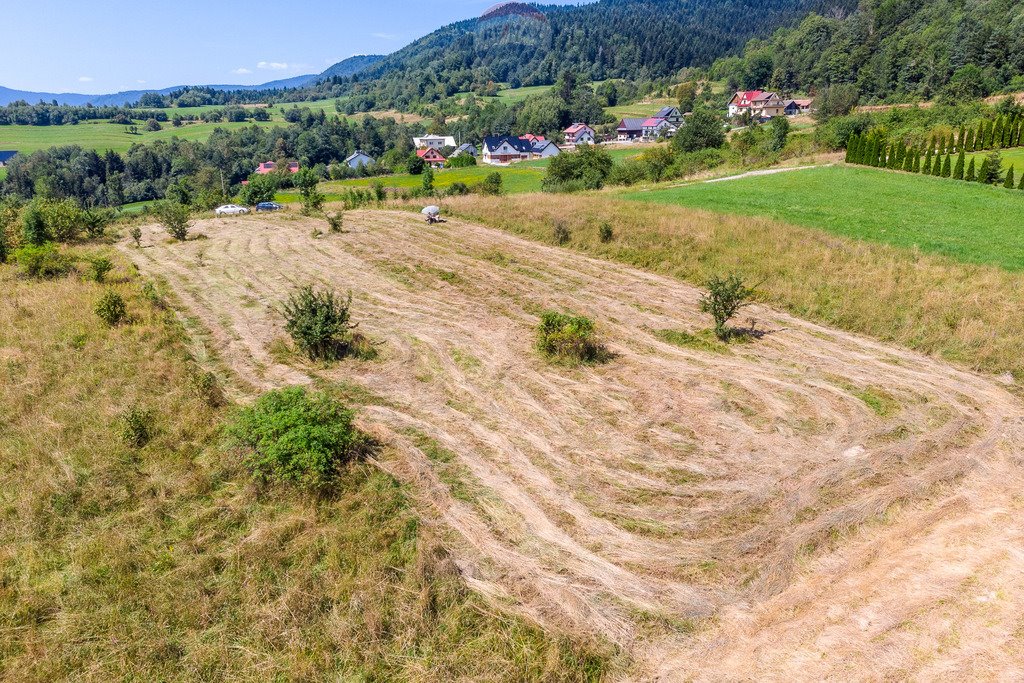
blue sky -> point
(102, 46)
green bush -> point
(111, 308)
(153, 295)
(99, 267)
(318, 322)
(585, 169)
(491, 185)
(605, 233)
(96, 221)
(725, 297)
(43, 261)
(296, 437)
(174, 218)
(33, 226)
(560, 233)
(568, 338)
(135, 426)
(336, 221)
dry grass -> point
(967, 314)
(650, 497)
(165, 563)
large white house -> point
(579, 134)
(508, 149)
(359, 158)
(433, 142)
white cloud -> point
(384, 36)
(85, 79)
(241, 71)
(273, 66)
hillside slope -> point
(895, 48)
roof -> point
(765, 96)
(522, 145)
(531, 137)
(631, 124)
(6, 156)
(358, 153)
(653, 121)
(445, 140)
(577, 128)
(804, 103)
(666, 112)
(541, 145)
(743, 98)
(423, 153)
(466, 146)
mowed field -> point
(965, 221)
(809, 504)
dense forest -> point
(893, 50)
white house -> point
(466, 148)
(359, 158)
(542, 149)
(656, 128)
(670, 114)
(742, 100)
(506, 149)
(579, 134)
(433, 142)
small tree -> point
(970, 176)
(605, 232)
(135, 426)
(958, 172)
(33, 225)
(99, 267)
(111, 308)
(725, 297)
(946, 172)
(491, 185)
(336, 221)
(428, 180)
(1008, 182)
(318, 322)
(312, 199)
(136, 235)
(174, 218)
(561, 233)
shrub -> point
(491, 185)
(153, 295)
(206, 387)
(457, 189)
(261, 188)
(43, 261)
(135, 426)
(33, 226)
(318, 322)
(291, 436)
(65, 220)
(99, 267)
(111, 308)
(605, 232)
(561, 233)
(136, 235)
(703, 130)
(725, 297)
(567, 337)
(336, 221)
(174, 218)
(587, 169)
(96, 221)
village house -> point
(269, 167)
(670, 114)
(806, 106)
(542, 149)
(359, 158)
(656, 128)
(506, 149)
(5, 157)
(629, 130)
(432, 157)
(790, 108)
(466, 148)
(433, 142)
(766, 106)
(740, 102)
(579, 134)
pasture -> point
(965, 221)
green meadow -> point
(965, 221)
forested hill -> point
(530, 45)
(895, 49)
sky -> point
(104, 46)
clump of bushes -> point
(585, 169)
(135, 426)
(571, 338)
(43, 262)
(605, 233)
(205, 387)
(136, 235)
(336, 221)
(560, 233)
(724, 298)
(291, 436)
(318, 321)
(111, 308)
(99, 267)
(174, 218)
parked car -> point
(230, 210)
(268, 206)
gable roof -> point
(521, 145)
(667, 112)
(765, 97)
(577, 128)
(6, 156)
(358, 153)
(655, 121)
(743, 98)
(631, 124)
(542, 144)
(429, 154)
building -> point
(790, 108)
(466, 148)
(656, 128)
(433, 142)
(630, 129)
(506, 149)
(741, 101)
(670, 114)
(269, 167)
(359, 158)
(579, 134)
(432, 157)
(806, 106)
(5, 157)
(767, 106)
(542, 149)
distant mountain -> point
(351, 66)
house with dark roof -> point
(466, 148)
(359, 158)
(432, 156)
(790, 108)
(670, 114)
(630, 129)
(542, 149)
(506, 149)
(6, 156)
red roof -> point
(745, 97)
(532, 138)
(576, 128)
(430, 154)
(269, 167)
(653, 121)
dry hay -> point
(674, 488)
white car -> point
(230, 210)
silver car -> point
(230, 210)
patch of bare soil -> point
(808, 505)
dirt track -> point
(753, 494)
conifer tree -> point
(983, 171)
(958, 170)
(937, 167)
(1007, 133)
(962, 139)
(945, 166)
(979, 137)
(970, 139)
(1020, 185)
(970, 176)
(990, 134)
(926, 168)
(851, 146)
(997, 133)
(1008, 182)
(916, 167)
(908, 160)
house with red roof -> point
(742, 101)
(579, 134)
(269, 167)
(432, 156)
(656, 128)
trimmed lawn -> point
(965, 221)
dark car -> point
(268, 206)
